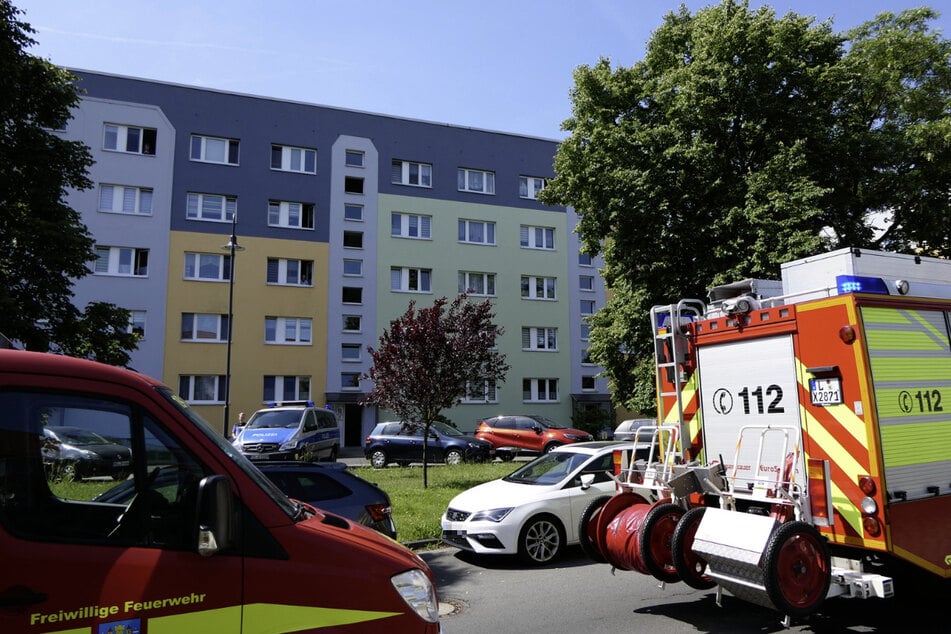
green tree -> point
(44, 246)
(427, 359)
(741, 141)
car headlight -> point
(418, 592)
(289, 445)
(493, 515)
(474, 445)
(575, 436)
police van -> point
(290, 431)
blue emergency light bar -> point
(860, 284)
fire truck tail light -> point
(616, 456)
(867, 484)
(847, 334)
(869, 506)
(818, 490)
(872, 526)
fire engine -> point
(803, 439)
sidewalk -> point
(352, 457)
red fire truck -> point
(803, 440)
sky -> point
(501, 65)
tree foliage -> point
(44, 246)
(743, 140)
(428, 357)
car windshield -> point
(79, 437)
(548, 469)
(284, 418)
(547, 422)
(446, 430)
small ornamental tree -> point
(427, 359)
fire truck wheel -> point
(797, 569)
(587, 529)
(689, 565)
(541, 540)
(654, 541)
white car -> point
(535, 511)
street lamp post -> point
(232, 247)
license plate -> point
(826, 391)
(121, 463)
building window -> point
(586, 357)
(587, 383)
(585, 331)
(476, 181)
(212, 207)
(352, 323)
(354, 158)
(207, 266)
(287, 330)
(352, 185)
(473, 283)
(353, 267)
(126, 138)
(137, 323)
(293, 159)
(584, 259)
(538, 287)
(481, 393)
(410, 226)
(350, 381)
(353, 239)
(540, 339)
(204, 327)
(281, 213)
(587, 307)
(290, 272)
(353, 212)
(476, 232)
(350, 352)
(529, 186)
(122, 261)
(409, 173)
(539, 390)
(410, 280)
(209, 149)
(586, 282)
(352, 295)
(537, 237)
(125, 200)
(279, 389)
(202, 388)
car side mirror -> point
(587, 479)
(214, 512)
(537, 428)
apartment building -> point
(341, 218)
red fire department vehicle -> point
(804, 436)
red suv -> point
(512, 435)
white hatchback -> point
(536, 510)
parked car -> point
(74, 453)
(513, 435)
(535, 511)
(328, 486)
(628, 428)
(402, 443)
(290, 432)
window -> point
(476, 181)
(353, 239)
(204, 327)
(352, 185)
(350, 351)
(481, 393)
(586, 357)
(287, 330)
(352, 323)
(584, 259)
(286, 388)
(586, 282)
(290, 272)
(410, 226)
(207, 266)
(529, 186)
(209, 149)
(537, 237)
(293, 159)
(482, 284)
(587, 307)
(125, 138)
(585, 331)
(213, 207)
(122, 261)
(125, 200)
(540, 339)
(281, 213)
(350, 380)
(538, 390)
(354, 158)
(352, 295)
(476, 232)
(538, 287)
(353, 212)
(137, 323)
(353, 267)
(409, 280)
(587, 383)
(409, 173)
(202, 388)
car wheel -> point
(505, 456)
(541, 540)
(333, 454)
(550, 447)
(453, 456)
(70, 472)
(378, 459)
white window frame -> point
(125, 199)
(202, 154)
(343, 292)
(289, 331)
(486, 282)
(294, 159)
(586, 283)
(349, 388)
(531, 237)
(588, 307)
(218, 386)
(202, 207)
(197, 261)
(343, 324)
(539, 339)
(490, 393)
(283, 265)
(121, 261)
(137, 320)
(466, 231)
(408, 223)
(300, 391)
(218, 324)
(530, 186)
(280, 213)
(585, 259)
(467, 179)
(350, 347)
(585, 331)
(355, 206)
(352, 234)
(405, 276)
(353, 263)
(540, 391)
(122, 137)
(548, 287)
(586, 377)
(586, 357)
(401, 173)
(355, 154)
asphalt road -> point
(499, 595)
